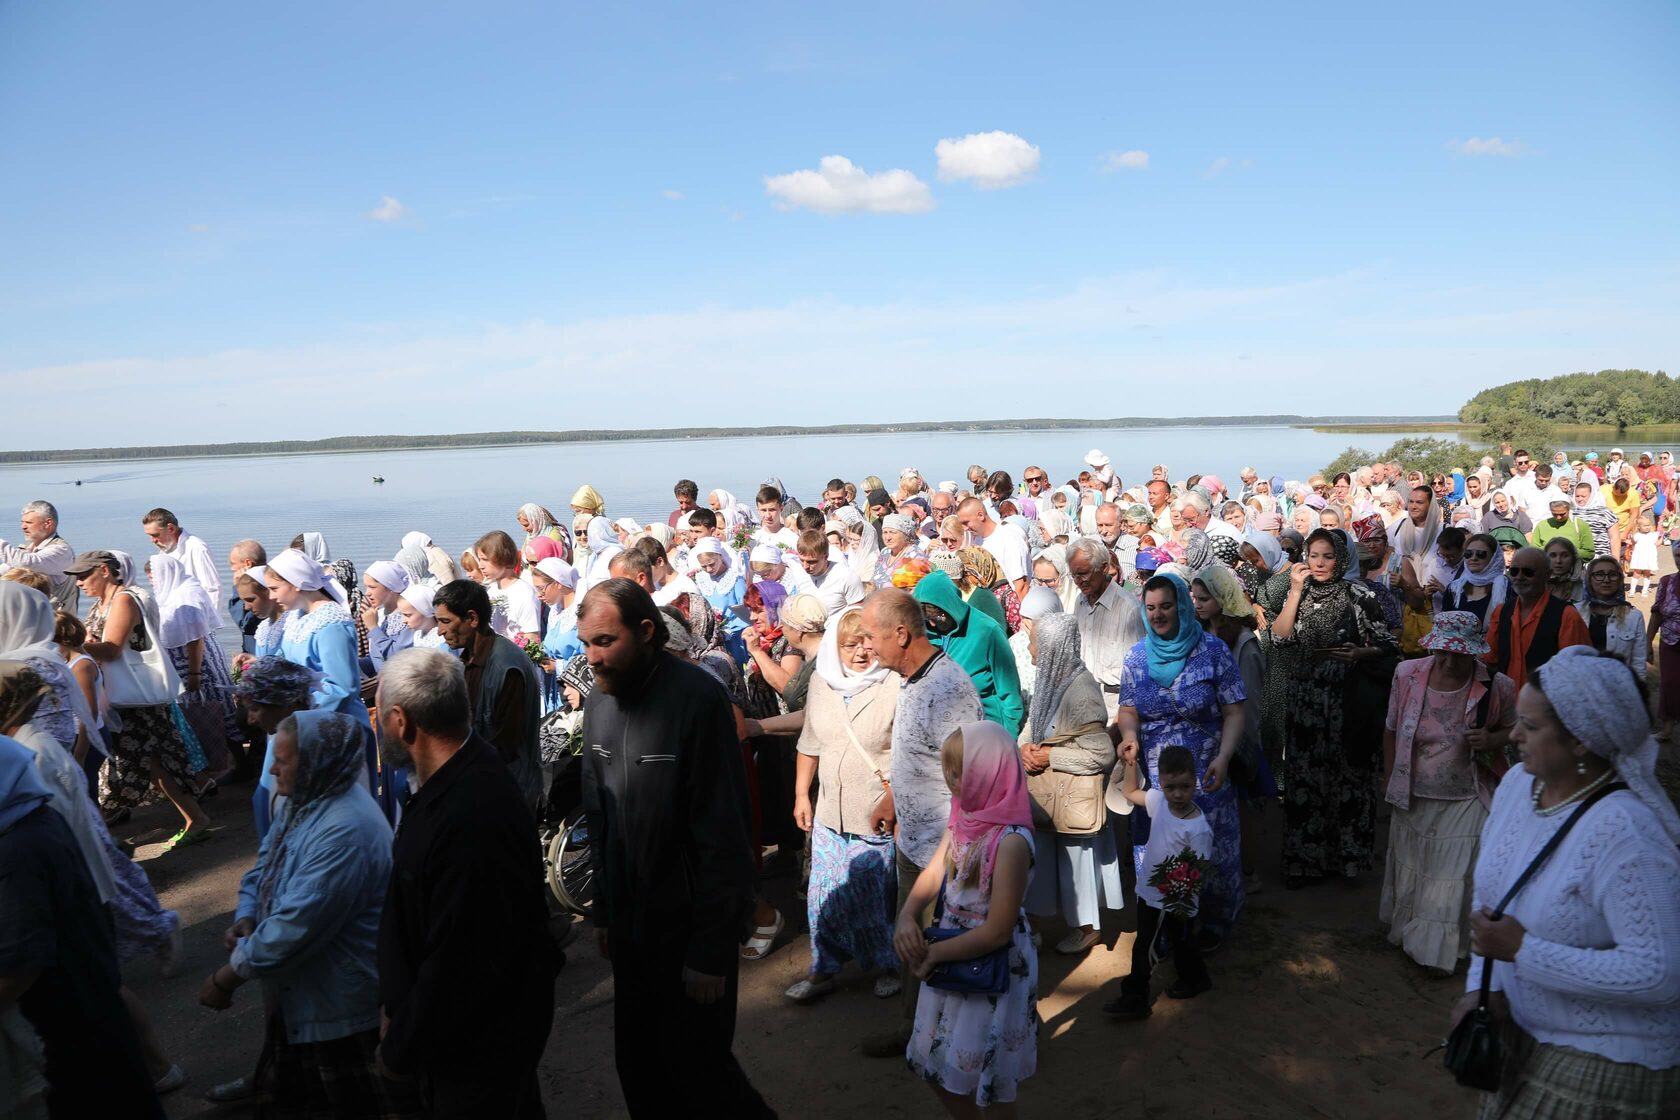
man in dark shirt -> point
(666, 797)
(466, 964)
(503, 685)
(58, 957)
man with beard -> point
(466, 964)
(665, 794)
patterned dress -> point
(1280, 668)
(138, 735)
(1329, 803)
(982, 1046)
(1186, 713)
(209, 708)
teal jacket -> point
(979, 645)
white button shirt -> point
(1108, 629)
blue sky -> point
(402, 218)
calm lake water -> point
(456, 495)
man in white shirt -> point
(1198, 514)
(769, 562)
(164, 530)
(1006, 543)
(1538, 503)
(44, 551)
(836, 584)
(1520, 485)
(1160, 506)
(1109, 619)
(770, 529)
(1108, 525)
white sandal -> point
(811, 989)
(758, 945)
(888, 985)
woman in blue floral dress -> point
(1181, 688)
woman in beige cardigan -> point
(846, 746)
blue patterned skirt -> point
(851, 899)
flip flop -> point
(758, 945)
(185, 839)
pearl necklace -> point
(1587, 790)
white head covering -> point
(186, 612)
(416, 539)
(27, 621)
(709, 584)
(1596, 698)
(558, 570)
(629, 524)
(1095, 459)
(730, 512)
(306, 574)
(315, 547)
(834, 672)
(1039, 602)
(902, 523)
(660, 533)
(125, 568)
(388, 574)
(1054, 522)
(419, 596)
(765, 554)
(535, 516)
(864, 555)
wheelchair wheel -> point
(571, 873)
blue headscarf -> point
(1167, 656)
(1458, 487)
(21, 788)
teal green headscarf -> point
(1168, 655)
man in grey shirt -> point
(1109, 617)
(44, 551)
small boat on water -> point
(376, 478)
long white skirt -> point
(1427, 882)
(1083, 881)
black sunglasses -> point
(1477, 554)
(1525, 571)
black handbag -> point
(1474, 1056)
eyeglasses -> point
(1607, 574)
(1050, 583)
(1525, 571)
(1477, 554)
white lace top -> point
(1599, 967)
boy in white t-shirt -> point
(1175, 823)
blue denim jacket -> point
(316, 952)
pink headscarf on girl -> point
(540, 548)
(993, 796)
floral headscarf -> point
(980, 567)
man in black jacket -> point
(466, 964)
(666, 797)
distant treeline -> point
(1620, 398)
(519, 439)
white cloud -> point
(388, 210)
(674, 196)
(993, 160)
(839, 186)
(1492, 146)
(1225, 163)
(1133, 160)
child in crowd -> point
(975, 1048)
(415, 607)
(1176, 825)
(1642, 563)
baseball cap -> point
(87, 561)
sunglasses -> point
(1477, 554)
(1525, 571)
(1037, 478)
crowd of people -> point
(965, 714)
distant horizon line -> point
(440, 442)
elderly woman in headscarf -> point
(1500, 513)
(1040, 601)
(730, 512)
(980, 572)
(147, 747)
(189, 618)
(845, 748)
(535, 521)
(269, 690)
(1615, 625)
(1332, 625)
(1563, 561)
(1370, 553)
(1181, 687)
(439, 564)
(1050, 571)
(899, 543)
(1585, 960)
(588, 502)
(307, 926)
(1067, 754)
(603, 546)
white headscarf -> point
(306, 574)
(730, 512)
(603, 546)
(834, 672)
(558, 570)
(864, 555)
(416, 539)
(186, 612)
(419, 596)
(27, 622)
(710, 585)
(535, 516)
(1597, 699)
(315, 547)
(388, 574)
(1491, 577)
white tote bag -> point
(143, 677)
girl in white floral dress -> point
(975, 1049)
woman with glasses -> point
(1617, 627)
(1481, 585)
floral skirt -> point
(143, 925)
(146, 735)
(982, 1046)
(850, 901)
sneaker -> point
(171, 1080)
(227, 1092)
(886, 1044)
(1185, 990)
(1128, 1007)
(1077, 941)
(888, 985)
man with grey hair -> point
(244, 556)
(44, 551)
(1109, 618)
(466, 964)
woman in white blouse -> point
(1616, 626)
(1587, 955)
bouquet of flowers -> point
(1180, 880)
(741, 539)
(908, 574)
(533, 648)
